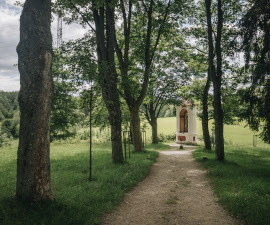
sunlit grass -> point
(77, 200)
(242, 182)
(233, 134)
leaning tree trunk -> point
(35, 98)
(206, 136)
(136, 131)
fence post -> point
(255, 140)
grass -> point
(77, 200)
(239, 134)
(242, 182)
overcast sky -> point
(9, 39)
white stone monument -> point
(186, 128)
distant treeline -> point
(9, 116)
(8, 104)
(68, 112)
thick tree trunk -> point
(116, 128)
(35, 64)
(105, 34)
(154, 130)
(206, 136)
(136, 131)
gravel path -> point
(176, 192)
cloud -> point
(9, 81)
(9, 39)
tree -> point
(65, 106)
(165, 77)
(160, 93)
(35, 98)
(135, 74)
(102, 13)
(216, 75)
(255, 29)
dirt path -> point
(176, 191)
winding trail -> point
(176, 192)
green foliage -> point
(11, 128)
(4, 140)
(230, 99)
(8, 104)
(242, 182)
(78, 200)
(166, 137)
(65, 111)
(255, 31)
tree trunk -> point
(136, 131)
(206, 136)
(218, 112)
(154, 130)
(134, 103)
(35, 98)
(105, 34)
(216, 76)
(116, 128)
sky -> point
(9, 39)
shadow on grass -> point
(13, 211)
(78, 201)
(242, 181)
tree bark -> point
(206, 136)
(35, 98)
(105, 34)
(218, 112)
(151, 114)
(216, 76)
(218, 115)
(154, 130)
(136, 131)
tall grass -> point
(77, 200)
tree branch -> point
(82, 15)
(160, 30)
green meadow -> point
(78, 201)
(242, 182)
(239, 134)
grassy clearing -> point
(77, 200)
(242, 182)
(233, 134)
